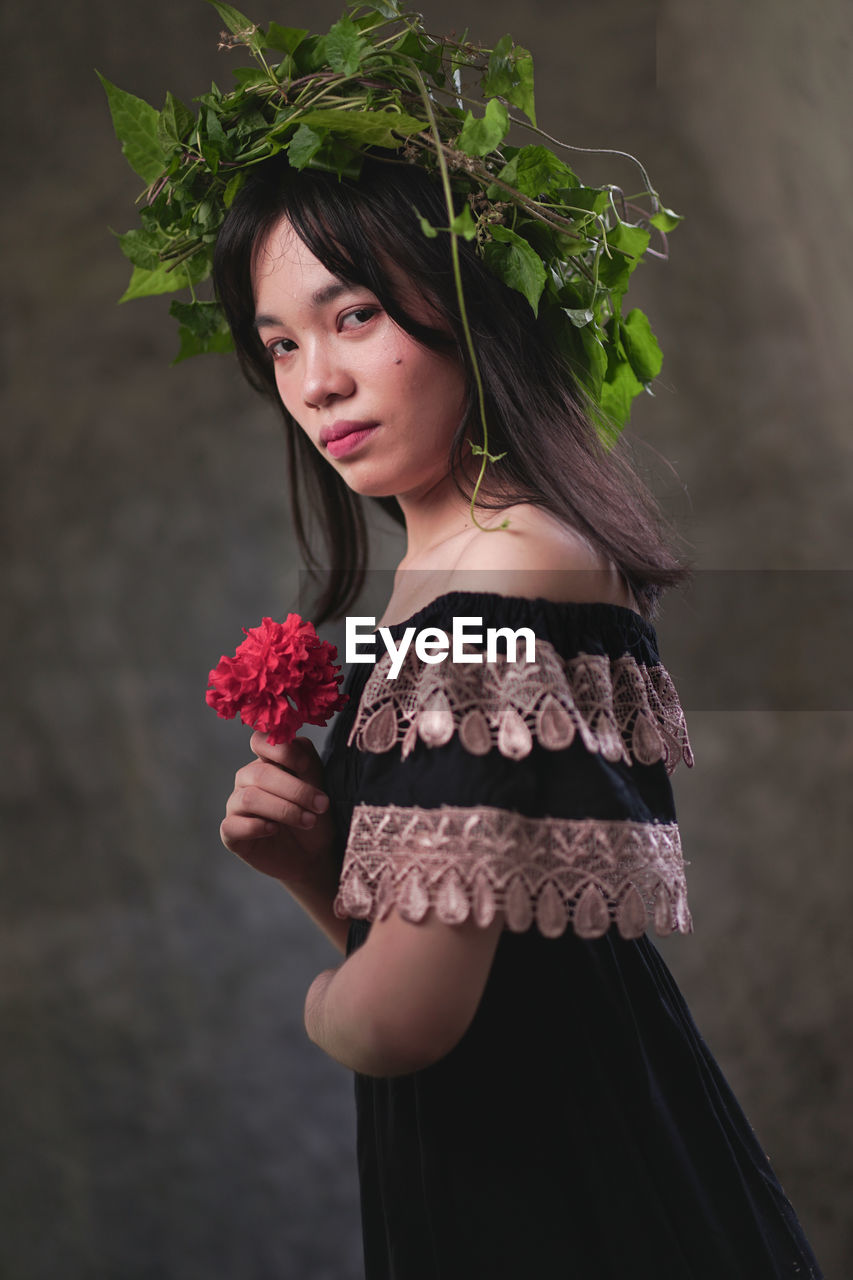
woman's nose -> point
(326, 378)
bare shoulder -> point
(538, 556)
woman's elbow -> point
(399, 1047)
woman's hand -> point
(277, 817)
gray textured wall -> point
(162, 1112)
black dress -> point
(580, 1128)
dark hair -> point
(358, 230)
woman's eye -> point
(360, 316)
(281, 347)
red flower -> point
(278, 663)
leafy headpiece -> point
(378, 79)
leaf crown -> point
(378, 79)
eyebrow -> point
(319, 298)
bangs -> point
(365, 233)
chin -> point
(371, 488)
(371, 483)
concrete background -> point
(162, 1113)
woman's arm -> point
(403, 999)
(316, 901)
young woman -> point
(484, 842)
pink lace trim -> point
(620, 708)
(553, 872)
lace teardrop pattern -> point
(618, 707)
(588, 874)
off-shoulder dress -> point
(580, 1128)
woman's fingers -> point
(255, 801)
(260, 775)
(280, 788)
(277, 817)
(265, 751)
(299, 756)
(237, 829)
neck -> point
(438, 514)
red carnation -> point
(278, 663)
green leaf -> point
(596, 357)
(236, 22)
(304, 145)
(244, 30)
(574, 295)
(387, 8)
(345, 47)
(618, 391)
(253, 122)
(213, 140)
(500, 72)
(579, 316)
(214, 127)
(665, 220)
(369, 128)
(210, 151)
(519, 266)
(479, 452)
(287, 39)
(191, 345)
(208, 214)
(541, 238)
(627, 245)
(481, 135)
(570, 246)
(175, 122)
(202, 318)
(593, 199)
(166, 278)
(337, 156)
(423, 51)
(534, 171)
(522, 93)
(310, 55)
(203, 328)
(641, 346)
(142, 248)
(234, 185)
(135, 122)
(410, 45)
(463, 223)
(630, 240)
(159, 217)
(248, 77)
(510, 75)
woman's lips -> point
(345, 444)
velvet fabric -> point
(581, 1128)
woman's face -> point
(343, 366)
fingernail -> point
(321, 803)
(308, 819)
